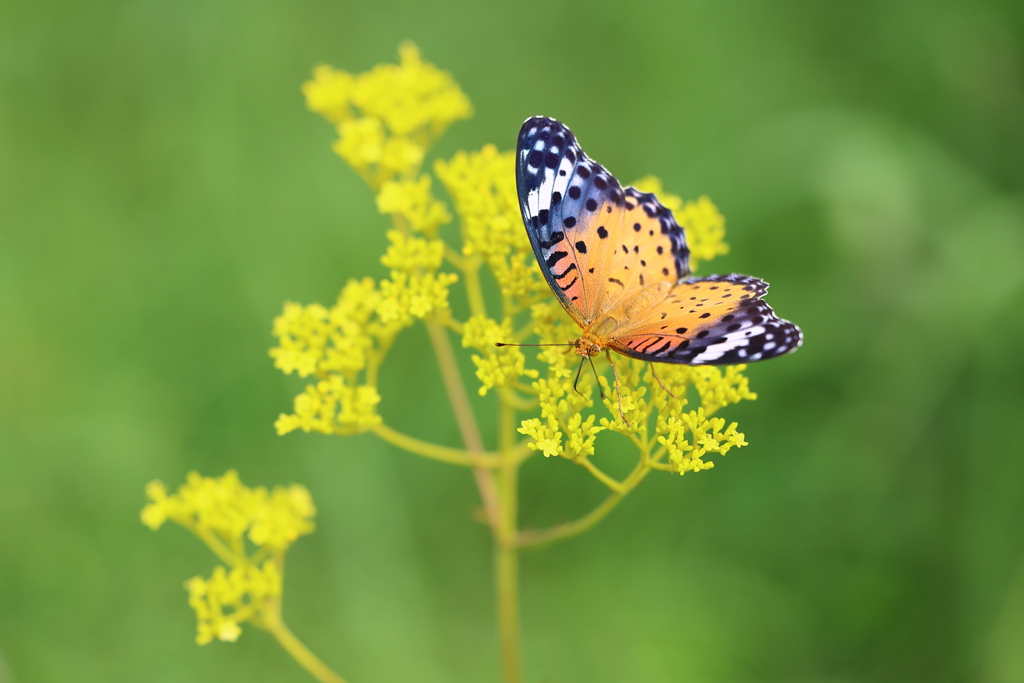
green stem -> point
(216, 545)
(471, 273)
(449, 367)
(613, 484)
(454, 456)
(524, 388)
(454, 257)
(507, 553)
(538, 537)
(518, 402)
(453, 325)
(302, 654)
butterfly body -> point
(619, 264)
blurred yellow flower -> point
(225, 513)
(231, 597)
(498, 366)
(229, 511)
(412, 202)
(389, 116)
(483, 187)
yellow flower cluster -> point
(483, 187)
(229, 598)
(226, 514)
(706, 436)
(226, 509)
(343, 350)
(561, 429)
(416, 290)
(342, 346)
(497, 367)
(566, 428)
(386, 118)
(718, 386)
(412, 202)
(335, 346)
(389, 116)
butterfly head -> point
(587, 346)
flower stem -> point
(506, 564)
(300, 653)
(537, 537)
(454, 456)
(216, 545)
(614, 485)
(475, 293)
(464, 418)
(507, 582)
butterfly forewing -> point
(716, 320)
(597, 243)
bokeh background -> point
(163, 191)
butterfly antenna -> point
(596, 378)
(504, 344)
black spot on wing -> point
(756, 334)
(546, 147)
(564, 273)
(560, 189)
(669, 227)
(753, 287)
(555, 257)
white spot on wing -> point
(733, 340)
(562, 181)
(547, 186)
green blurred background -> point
(163, 190)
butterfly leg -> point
(577, 380)
(658, 380)
(618, 391)
(599, 389)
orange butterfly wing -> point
(716, 320)
(596, 242)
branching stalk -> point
(299, 652)
(507, 552)
(454, 456)
(449, 367)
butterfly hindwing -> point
(596, 242)
(715, 320)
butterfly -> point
(618, 263)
